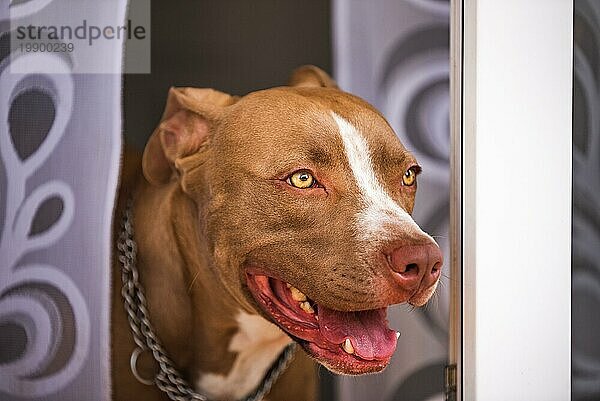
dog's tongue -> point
(368, 331)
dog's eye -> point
(410, 176)
(302, 179)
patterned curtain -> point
(586, 202)
(59, 156)
(395, 54)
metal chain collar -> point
(167, 379)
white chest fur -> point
(257, 344)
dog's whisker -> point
(192, 282)
(449, 278)
(434, 299)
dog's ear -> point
(311, 76)
(186, 124)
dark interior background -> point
(236, 46)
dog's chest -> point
(257, 344)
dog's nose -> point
(416, 264)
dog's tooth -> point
(305, 306)
(348, 346)
(288, 285)
(397, 335)
(297, 295)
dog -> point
(279, 217)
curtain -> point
(59, 157)
(586, 202)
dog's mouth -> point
(345, 342)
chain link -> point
(167, 379)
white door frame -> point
(512, 94)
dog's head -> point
(304, 196)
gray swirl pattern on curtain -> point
(57, 132)
(586, 203)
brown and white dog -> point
(280, 216)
